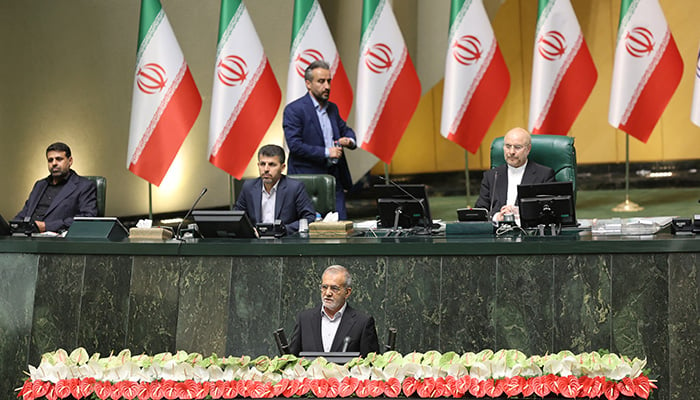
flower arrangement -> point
(508, 373)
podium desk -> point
(636, 296)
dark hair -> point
(59, 146)
(272, 150)
(315, 64)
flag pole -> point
(231, 192)
(150, 202)
(386, 172)
(627, 205)
(466, 173)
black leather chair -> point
(101, 183)
(554, 151)
(321, 189)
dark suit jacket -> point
(307, 149)
(77, 198)
(291, 204)
(358, 326)
(534, 173)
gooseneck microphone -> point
(177, 232)
(426, 223)
(346, 343)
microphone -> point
(391, 341)
(493, 194)
(177, 232)
(281, 341)
(426, 223)
(346, 343)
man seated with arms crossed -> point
(325, 327)
(57, 199)
(499, 187)
(274, 196)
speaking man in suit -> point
(55, 200)
(499, 186)
(316, 134)
(329, 326)
(273, 196)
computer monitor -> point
(547, 203)
(224, 224)
(411, 202)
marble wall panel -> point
(203, 304)
(640, 312)
(582, 303)
(413, 302)
(105, 303)
(467, 303)
(684, 319)
(18, 273)
(57, 304)
(153, 304)
(254, 305)
(524, 309)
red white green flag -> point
(245, 95)
(388, 89)
(647, 69)
(563, 73)
(476, 76)
(695, 108)
(165, 101)
(312, 40)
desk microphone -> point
(346, 343)
(177, 232)
(426, 224)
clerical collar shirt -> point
(515, 176)
(329, 326)
(267, 205)
(326, 128)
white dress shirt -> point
(329, 326)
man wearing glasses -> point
(334, 326)
(499, 187)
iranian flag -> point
(388, 89)
(695, 109)
(245, 95)
(476, 76)
(165, 101)
(563, 73)
(312, 40)
(647, 68)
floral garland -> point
(426, 375)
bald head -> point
(516, 147)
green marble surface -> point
(439, 295)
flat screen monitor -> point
(412, 202)
(224, 224)
(547, 203)
(334, 357)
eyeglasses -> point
(333, 288)
(517, 147)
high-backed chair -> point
(554, 151)
(101, 183)
(321, 189)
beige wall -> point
(67, 74)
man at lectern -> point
(334, 326)
(63, 195)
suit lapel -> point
(257, 200)
(346, 324)
(314, 117)
(43, 184)
(502, 185)
(280, 197)
(529, 174)
(65, 191)
(316, 330)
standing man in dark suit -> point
(274, 196)
(499, 187)
(55, 200)
(327, 327)
(316, 134)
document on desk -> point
(627, 226)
